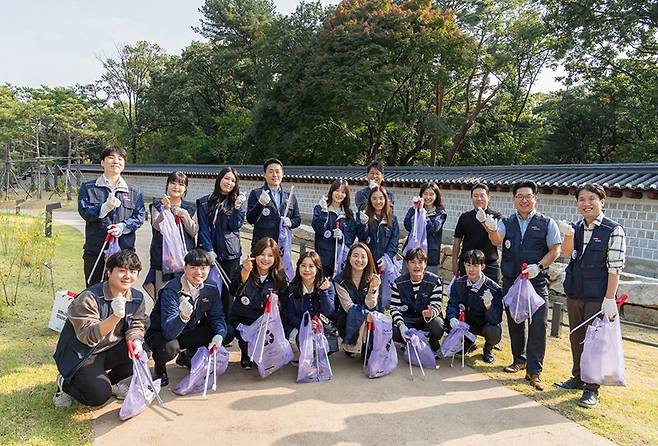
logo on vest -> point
(327, 233)
(596, 239)
(266, 212)
(404, 308)
(244, 300)
(508, 244)
(534, 228)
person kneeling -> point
(187, 315)
(91, 354)
(482, 300)
(416, 300)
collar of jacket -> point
(121, 186)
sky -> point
(59, 43)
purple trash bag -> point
(215, 277)
(602, 360)
(313, 353)
(419, 344)
(267, 342)
(285, 245)
(390, 271)
(194, 381)
(522, 300)
(340, 256)
(452, 344)
(136, 401)
(383, 357)
(418, 236)
(173, 245)
(112, 248)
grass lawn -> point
(27, 370)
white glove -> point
(264, 198)
(480, 215)
(111, 203)
(338, 234)
(487, 298)
(286, 222)
(363, 217)
(609, 308)
(565, 228)
(490, 223)
(138, 347)
(372, 184)
(216, 342)
(532, 271)
(117, 229)
(292, 337)
(454, 322)
(119, 306)
(185, 308)
(213, 256)
(403, 330)
(323, 203)
(415, 200)
(240, 199)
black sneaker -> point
(572, 383)
(589, 400)
(488, 357)
(162, 376)
(246, 364)
(184, 360)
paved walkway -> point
(451, 406)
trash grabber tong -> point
(369, 327)
(268, 309)
(621, 300)
(418, 359)
(212, 361)
(108, 239)
(462, 318)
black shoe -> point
(164, 379)
(572, 383)
(589, 400)
(514, 367)
(183, 359)
(246, 364)
(488, 357)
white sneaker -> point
(61, 398)
(120, 389)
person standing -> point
(108, 205)
(530, 238)
(471, 233)
(596, 246)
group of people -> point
(339, 283)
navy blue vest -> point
(358, 295)
(415, 303)
(70, 353)
(156, 240)
(249, 302)
(529, 249)
(586, 276)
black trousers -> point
(92, 383)
(435, 327)
(227, 299)
(492, 335)
(89, 261)
(579, 311)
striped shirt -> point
(396, 301)
(616, 245)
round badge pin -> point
(404, 308)
(244, 300)
(327, 233)
(266, 212)
(508, 244)
(574, 254)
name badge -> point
(245, 300)
(266, 212)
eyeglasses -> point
(524, 197)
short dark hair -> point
(124, 259)
(198, 257)
(593, 188)
(415, 254)
(474, 257)
(479, 186)
(525, 183)
(114, 150)
(271, 161)
(177, 177)
(374, 164)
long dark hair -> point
(438, 201)
(297, 280)
(276, 270)
(369, 270)
(217, 196)
(386, 212)
(345, 205)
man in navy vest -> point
(109, 204)
(267, 204)
(597, 248)
(527, 237)
(187, 315)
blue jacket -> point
(379, 238)
(476, 313)
(434, 227)
(323, 224)
(131, 212)
(156, 240)
(361, 198)
(249, 299)
(266, 218)
(221, 235)
(319, 302)
(165, 317)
